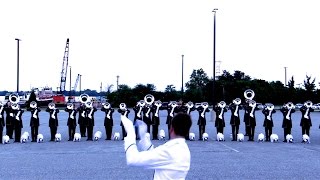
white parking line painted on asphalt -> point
(229, 147)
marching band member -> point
(1, 120)
(189, 108)
(147, 116)
(220, 109)
(155, 119)
(250, 109)
(18, 125)
(287, 110)
(108, 120)
(235, 118)
(123, 111)
(72, 122)
(90, 109)
(202, 118)
(9, 119)
(305, 122)
(171, 109)
(34, 120)
(181, 107)
(82, 119)
(268, 110)
(138, 113)
(169, 161)
(246, 118)
(53, 119)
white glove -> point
(131, 135)
(145, 142)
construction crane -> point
(76, 83)
(59, 99)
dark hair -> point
(181, 124)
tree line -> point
(227, 87)
(199, 88)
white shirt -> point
(170, 160)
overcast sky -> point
(142, 41)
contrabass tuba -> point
(14, 99)
(249, 94)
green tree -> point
(198, 79)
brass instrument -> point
(149, 99)
(173, 104)
(51, 106)
(252, 103)
(222, 104)
(70, 106)
(15, 106)
(205, 105)
(269, 106)
(84, 98)
(141, 103)
(33, 104)
(106, 105)
(237, 101)
(14, 98)
(190, 105)
(89, 104)
(1, 103)
(158, 103)
(249, 94)
(123, 106)
(308, 104)
(290, 105)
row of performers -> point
(150, 115)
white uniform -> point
(170, 160)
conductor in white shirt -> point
(170, 160)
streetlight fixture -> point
(18, 40)
(182, 78)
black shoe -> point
(89, 139)
(70, 140)
(51, 140)
(33, 141)
(233, 140)
(284, 141)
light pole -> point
(285, 76)
(118, 82)
(182, 79)
(80, 83)
(18, 40)
(214, 54)
(70, 84)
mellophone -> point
(153, 107)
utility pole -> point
(80, 83)
(70, 83)
(100, 90)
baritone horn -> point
(290, 105)
(33, 104)
(123, 106)
(237, 101)
(222, 104)
(190, 104)
(70, 106)
(158, 103)
(249, 94)
(84, 98)
(51, 106)
(149, 99)
(106, 105)
(308, 104)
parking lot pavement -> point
(209, 160)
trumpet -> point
(84, 98)
(249, 94)
(308, 104)
(51, 106)
(33, 104)
(70, 106)
(106, 105)
(123, 106)
(149, 99)
(14, 98)
(237, 101)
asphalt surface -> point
(209, 160)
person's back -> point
(170, 160)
